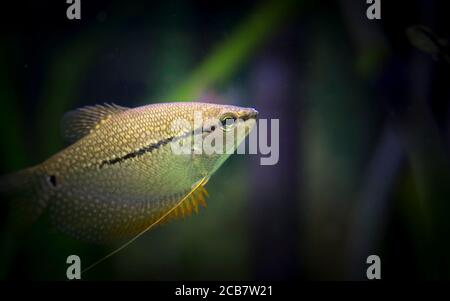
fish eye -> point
(228, 121)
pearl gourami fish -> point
(120, 176)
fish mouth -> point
(250, 114)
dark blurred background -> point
(364, 132)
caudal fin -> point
(25, 192)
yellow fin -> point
(190, 203)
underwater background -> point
(364, 133)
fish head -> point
(225, 126)
(224, 129)
(227, 119)
(216, 132)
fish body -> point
(121, 174)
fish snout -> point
(249, 113)
(253, 113)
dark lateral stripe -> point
(138, 152)
(149, 148)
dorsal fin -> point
(80, 122)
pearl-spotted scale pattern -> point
(100, 203)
